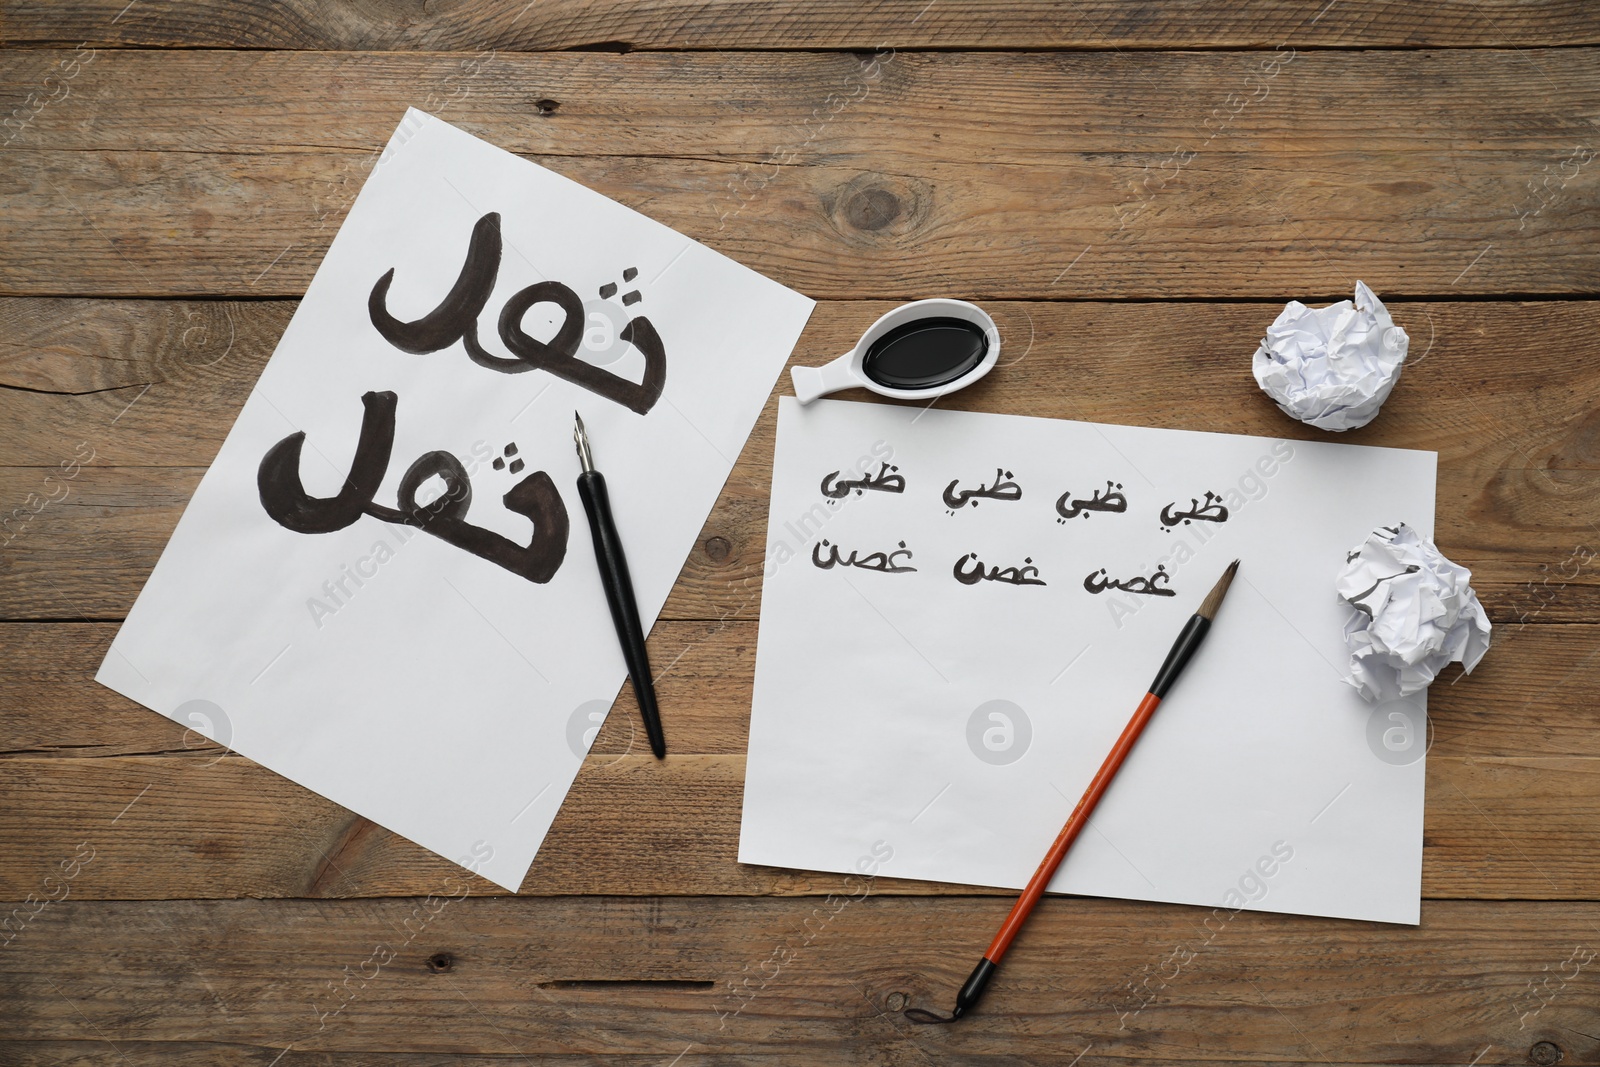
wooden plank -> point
(719, 981)
(1521, 828)
(682, 24)
(609, 106)
(79, 363)
(895, 108)
(1146, 175)
(50, 705)
(87, 556)
(1531, 697)
(1516, 493)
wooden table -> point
(1132, 189)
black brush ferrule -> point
(1182, 649)
(973, 990)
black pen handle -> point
(619, 595)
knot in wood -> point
(872, 209)
(1545, 1053)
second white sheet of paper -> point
(953, 721)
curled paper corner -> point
(1412, 612)
(1332, 367)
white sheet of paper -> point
(427, 688)
(956, 725)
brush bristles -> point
(1213, 600)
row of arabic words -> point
(888, 479)
(970, 570)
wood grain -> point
(1522, 828)
(1531, 698)
(150, 389)
(1523, 534)
(608, 980)
(77, 369)
(1036, 108)
(1084, 175)
(681, 24)
(1132, 189)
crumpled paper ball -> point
(1332, 367)
(1414, 612)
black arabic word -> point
(456, 319)
(883, 482)
(535, 497)
(1097, 583)
(1002, 489)
(1111, 499)
(876, 561)
(1010, 575)
(1211, 510)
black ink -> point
(1097, 583)
(456, 319)
(925, 353)
(630, 273)
(882, 482)
(507, 453)
(969, 577)
(1356, 601)
(608, 290)
(284, 497)
(1211, 510)
(558, 355)
(535, 497)
(1009, 575)
(1111, 499)
(630, 298)
(457, 315)
(882, 562)
(1002, 489)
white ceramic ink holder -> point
(845, 372)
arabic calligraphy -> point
(972, 575)
(885, 481)
(535, 497)
(883, 563)
(456, 319)
(1098, 582)
(1210, 510)
(1111, 499)
(1002, 489)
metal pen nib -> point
(581, 439)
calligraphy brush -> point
(1194, 632)
(619, 587)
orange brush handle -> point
(1069, 833)
(1183, 649)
